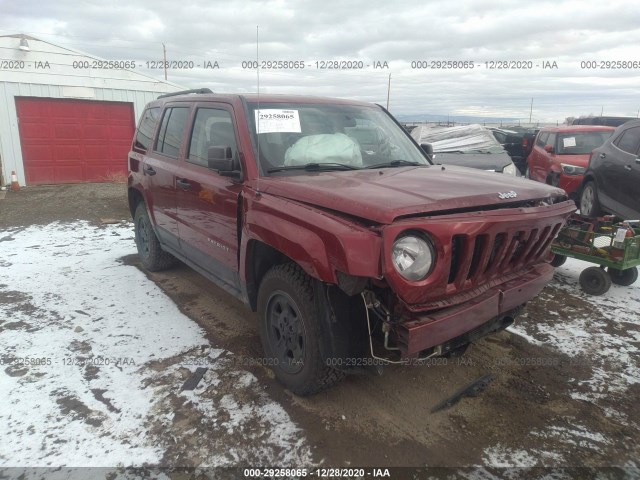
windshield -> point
(299, 138)
(580, 143)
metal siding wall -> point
(10, 149)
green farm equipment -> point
(610, 245)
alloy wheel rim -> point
(587, 201)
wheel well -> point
(135, 197)
(260, 258)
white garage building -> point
(65, 116)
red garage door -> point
(73, 141)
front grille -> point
(480, 258)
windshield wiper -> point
(398, 163)
(314, 167)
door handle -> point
(627, 167)
(183, 184)
(603, 155)
(149, 170)
(638, 160)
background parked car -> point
(518, 142)
(612, 181)
(560, 154)
(467, 146)
(605, 121)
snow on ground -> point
(602, 332)
(606, 334)
(94, 353)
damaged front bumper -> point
(489, 312)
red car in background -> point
(560, 155)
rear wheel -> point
(623, 277)
(589, 204)
(151, 255)
(290, 332)
(595, 281)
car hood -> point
(483, 161)
(381, 195)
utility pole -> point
(602, 110)
(531, 110)
(388, 91)
(164, 55)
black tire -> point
(152, 257)
(623, 277)
(290, 332)
(595, 281)
(558, 260)
(589, 203)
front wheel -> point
(290, 332)
(589, 204)
(623, 277)
(595, 281)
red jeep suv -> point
(328, 220)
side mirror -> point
(427, 148)
(548, 148)
(220, 158)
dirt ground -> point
(529, 411)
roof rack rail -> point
(184, 92)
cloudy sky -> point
(404, 34)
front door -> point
(207, 202)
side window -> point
(211, 128)
(542, 139)
(171, 130)
(551, 140)
(629, 140)
(146, 129)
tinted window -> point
(211, 128)
(501, 137)
(628, 141)
(171, 130)
(146, 129)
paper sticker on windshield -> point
(274, 120)
(569, 142)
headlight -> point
(412, 257)
(509, 169)
(572, 169)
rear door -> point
(621, 173)
(207, 202)
(160, 167)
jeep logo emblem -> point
(503, 195)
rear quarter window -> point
(171, 130)
(629, 140)
(146, 129)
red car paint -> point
(548, 154)
(491, 240)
